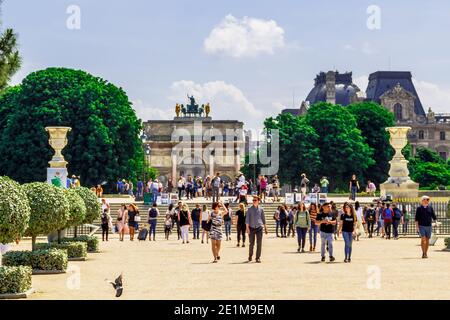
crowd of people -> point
(327, 221)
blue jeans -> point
(314, 229)
(154, 195)
(227, 228)
(326, 238)
(196, 229)
(301, 236)
(277, 224)
(152, 228)
(405, 226)
(324, 190)
(395, 224)
(354, 190)
(348, 239)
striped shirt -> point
(313, 215)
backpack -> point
(388, 213)
(104, 218)
(153, 213)
(397, 214)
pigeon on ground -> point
(118, 286)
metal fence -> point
(441, 209)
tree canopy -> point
(10, 60)
(372, 119)
(104, 142)
(343, 150)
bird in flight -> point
(118, 285)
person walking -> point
(216, 217)
(282, 216)
(324, 183)
(255, 221)
(291, 217)
(314, 228)
(184, 217)
(387, 217)
(424, 217)
(216, 182)
(360, 222)
(196, 216)
(304, 185)
(276, 217)
(153, 214)
(180, 186)
(371, 218)
(175, 218)
(263, 188)
(122, 213)
(348, 229)
(353, 187)
(405, 219)
(155, 190)
(240, 225)
(396, 218)
(227, 221)
(380, 221)
(205, 227)
(302, 224)
(106, 221)
(326, 222)
(276, 188)
(133, 212)
(167, 225)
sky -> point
(248, 58)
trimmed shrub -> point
(77, 211)
(447, 242)
(14, 210)
(74, 249)
(53, 259)
(93, 206)
(49, 209)
(15, 279)
(91, 241)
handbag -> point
(137, 218)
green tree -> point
(372, 119)
(14, 210)
(104, 142)
(298, 151)
(49, 209)
(427, 168)
(10, 60)
(343, 150)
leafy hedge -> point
(53, 259)
(49, 208)
(15, 279)
(93, 207)
(14, 210)
(77, 212)
(91, 241)
(74, 249)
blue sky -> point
(246, 58)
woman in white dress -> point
(360, 221)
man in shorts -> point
(424, 216)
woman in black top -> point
(347, 227)
(240, 225)
(353, 187)
(131, 219)
(184, 218)
(283, 215)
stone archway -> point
(192, 166)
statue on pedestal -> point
(177, 110)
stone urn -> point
(399, 184)
(58, 141)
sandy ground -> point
(380, 269)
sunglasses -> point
(256, 200)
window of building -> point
(443, 155)
(442, 135)
(398, 111)
(421, 135)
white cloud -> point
(246, 37)
(349, 47)
(227, 101)
(433, 96)
(151, 113)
